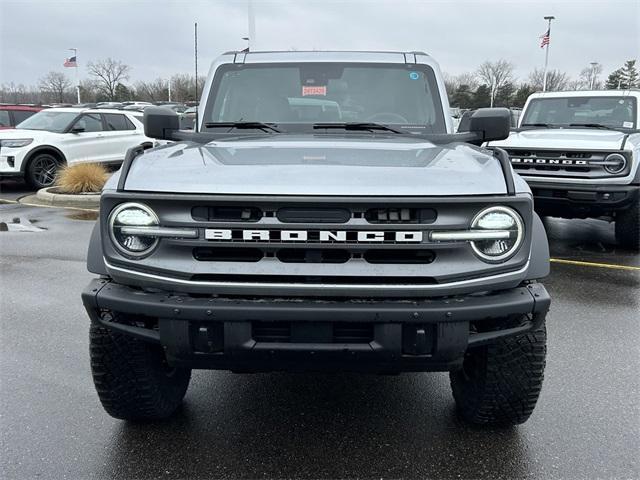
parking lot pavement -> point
(291, 425)
(13, 189)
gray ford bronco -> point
(322, 216)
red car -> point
(12, 115)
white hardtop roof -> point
(296, 56)
(84, 109)
(588, 93)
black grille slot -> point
(400, 215)
(350, 332)
(303, 255)
(226, 214)
(399, 256)
(312, 332)
(221, 254)
(271, 332)
(313, 215)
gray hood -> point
(318, 165)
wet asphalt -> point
(281, 425)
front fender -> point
(95, 259)
(539, 266)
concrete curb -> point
(47, 196)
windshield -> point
(309, 93)
(613, 112)
(49, 120)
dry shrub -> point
(82, 178)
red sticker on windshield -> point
(314, 90)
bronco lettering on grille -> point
(548, 161)
(322, 236)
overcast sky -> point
(156, 37)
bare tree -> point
(155, 91)
(556, 80)
(450, 83)
(56, 85)
(495, 75)
(588, 79)
(454, 82)
(109, 73)
(469, 79)
(183, 87)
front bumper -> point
(265, 334)
(582, 201)
(11, 161)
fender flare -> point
(539, 266)
(40, 148)
(95, 260)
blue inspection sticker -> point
(414, 75)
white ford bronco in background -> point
(579, 152)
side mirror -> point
(77, 129)
(488, 123)
(160, 122)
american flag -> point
(70, 62)
(545, 38)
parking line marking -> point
(15, 202)
(594, 264)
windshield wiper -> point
(591, 125)
(545, 125)
(358, 126)
(265, 127)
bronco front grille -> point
(382, 249)
(562, 163)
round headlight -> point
(132, 215)
(509, 232)
(618, 163)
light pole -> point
(546, 55)
(251, 23)
(593, 75)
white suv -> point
(580, 153)
(54, 137)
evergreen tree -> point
(614, 80)
(481, 97)
(462, 97)
(504, 95)
(625, 77)
(630, 74)
(521, 95)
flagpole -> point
(546, 55)
(75, 54)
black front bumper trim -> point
(449, 319)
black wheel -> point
(627, 226)
(132, 377)
(499, 384)
(42, 170)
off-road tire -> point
(627, 226)
(499, 384)
(132, 377)
(42, 170)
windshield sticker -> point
(414, 75)
(314, 90)
(627, 124)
